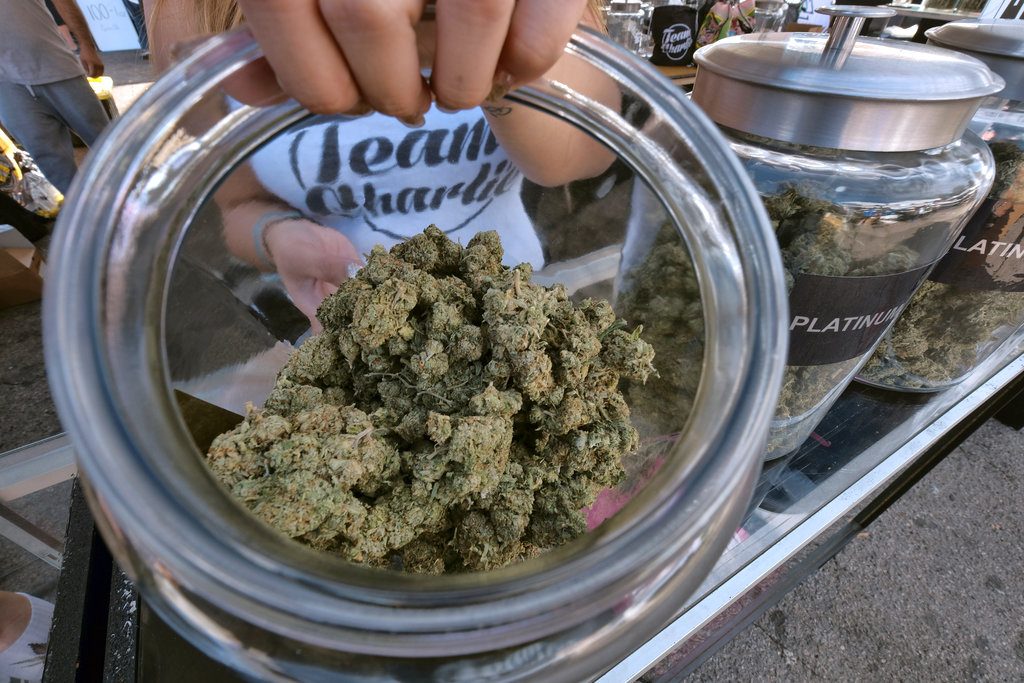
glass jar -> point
(157, 337)
(855, 247)
(866, 183)
(769, 16)
(942, 5)
(970, 6)
(974, 299)
(628, 23)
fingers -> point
(330, 54)
(335, 259)
(536, 39)
(379, 44)
(300, 47)
(470, 37)
(254, 84)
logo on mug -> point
(676, 40)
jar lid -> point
(839, 91)
(997, 42)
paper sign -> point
(110, 24)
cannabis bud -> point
(452, 416)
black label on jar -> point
(674, 30)
(833, 319)
(989, 254)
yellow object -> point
(29, 187)
(8, 165)
(103, 86)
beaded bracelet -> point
(259, 233)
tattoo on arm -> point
(498, 111)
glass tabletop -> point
(867, 439)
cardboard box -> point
(21, 269)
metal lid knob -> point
(842, 34)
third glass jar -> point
(974, 299)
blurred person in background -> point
(44, 94)
(136, 13)
(62, 28)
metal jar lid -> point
(997, 42)
(839, 91)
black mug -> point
(674, 31)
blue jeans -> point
(41, 118)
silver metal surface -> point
(904, 9)
(36, 466)
(847, 21)
(997, 43)
(23, 533)
(888, 96)
(835, 506)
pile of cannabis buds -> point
(452, 416)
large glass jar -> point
(854, 252)
(866, 182)
(158, 337)
(974, 299)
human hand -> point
(311, 260)
(91, 61)
(334, 56)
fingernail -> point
(502, 84)
(413, 121)
(447, 110)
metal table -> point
(870, 449)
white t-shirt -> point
(380, 182)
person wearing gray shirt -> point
(43, 91)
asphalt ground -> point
(932, 591)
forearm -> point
(75, 21)
(547, 150)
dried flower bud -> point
(445, 394)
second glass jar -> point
(858, 149)
(854, 250)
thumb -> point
(337, 262)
